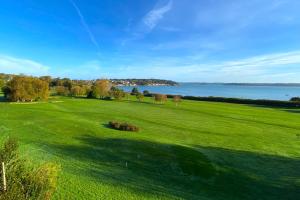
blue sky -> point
(182, 40)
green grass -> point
(198, 150)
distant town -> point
(139, 82)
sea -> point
(247, 91)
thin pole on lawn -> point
(3, 177)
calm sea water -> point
(225, 90)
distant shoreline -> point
(245, 84)
(203, 83)
(248, 91)
(142, 82)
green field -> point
(198, 150)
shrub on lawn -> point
(161, 98)
(146, 93)
(115, 125)
(116, 93)
(25, 181)
(134, 91)
(139, 96)
(123, 126)
(177, 99)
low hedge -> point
(123, 126)
(260, 102)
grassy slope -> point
(198, 150)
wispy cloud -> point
(9, 64)
(85, 25)
(278, 67)
(236, 16)
(153, 17)
(262, 62)
(148, 22)
(170, 29)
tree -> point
(6, 91)
(41, 89)
(117, 94)
(77, 91)
(161, 98)
(47, 79)
(177, 99)
(66, 82)
(134, 91)
(100, 88)
(295, 99)
(2, 83)
(139, 96)
(90, 94)
(86, 89)
(61, 90)
(146, 92)
(55, 82)
(113, 88)
(127, 95)
(23, 88)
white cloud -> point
(153, 17)
(9, 64)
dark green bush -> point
(106, 98)
(261, 102)
(293, 103)
(146, 92)
(134, 91)
(90, 95)
(295, 99)
(123, 126)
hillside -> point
(197, 150)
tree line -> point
(27, 88)
(20, 88)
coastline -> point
(269, 92)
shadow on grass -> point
(106, 125)
(283, 108)
(293, 110)
(2, 99)
(184, 172)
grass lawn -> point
(197, 150)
